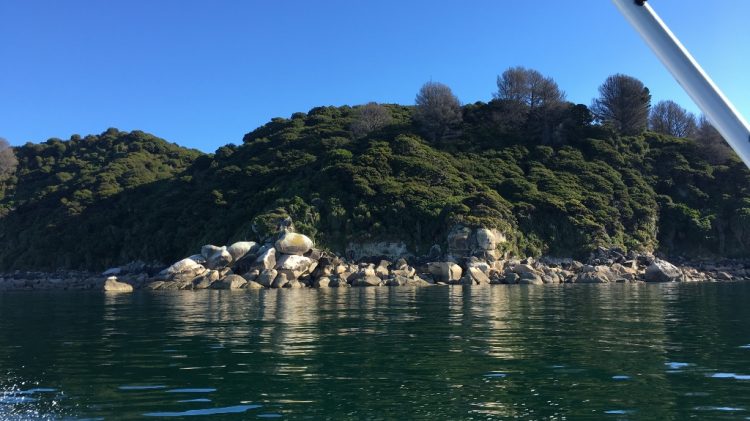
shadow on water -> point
(584, 352)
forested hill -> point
(547, 177)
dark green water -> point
(668, 352)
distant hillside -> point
(553, 185)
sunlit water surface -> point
(667, 352)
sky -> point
(204, 73)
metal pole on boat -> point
(689, 74)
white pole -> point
(689, 74)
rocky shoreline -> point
(291, 261)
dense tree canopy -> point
(552, 183)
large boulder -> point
(478, 276)
(253, 285)
(367, 281)
(113, 285)
(596, 275)
(293, 243)
(266, 260)
(204, 281)
(445, 271)
(266, 277)
(239, 249)
(322, 282)
(208, 250)
(294, 265)
(529, 278)
(220, 259)
(187, 265)
(662, 271)
(523, 268)
(230, 282)
(280, 281)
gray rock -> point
(220, 259)
(294, 265)
(184, 266)
(294, 284)
(511, 278)
(445, 271)
(382, 269)
(112, 272)
(478, 276)
(486, 239)
(596, 275)
(266, 260)
(293, 243)
(458, 241)
(113, 285)
(322, 282)
(230, 282)
(662, 271)
(209, 250)
(280, 281)
(204, 281)
(724, 276)
(252, 275)
(154, 285)
(367, 281)
(530, 279)
(467, 280)
(253, 285)
(338, 283)
(523, 268)
(267, 277)
(239, 249)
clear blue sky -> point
(203, 73)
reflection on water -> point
(569, 351)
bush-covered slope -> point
(554, 185)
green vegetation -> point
(541, 172)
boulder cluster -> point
(290, 260)
(472, 258)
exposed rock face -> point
(458, 241)
(239, 249)
(389, 250)
(293, 243)
(488, 239)
(662, 271)
(113, 285)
